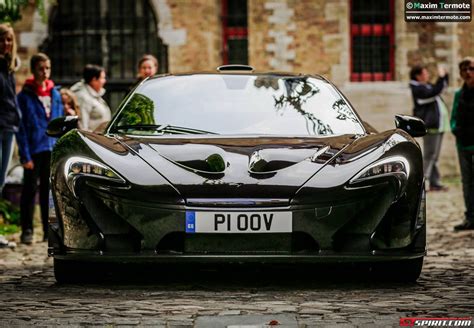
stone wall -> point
(436, 44)
(259, 35)
(301, 36)
(27, 40)
(465, 34)
(201, 22)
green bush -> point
(8, 229)
(10, 212)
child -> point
(71, 107)
(39, 103)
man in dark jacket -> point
(462, 125)
(429, 106)
(39, 103)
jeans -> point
(6, 147)
(40, 172)
(431, 150)
(466, 162)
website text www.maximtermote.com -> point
(442, 11)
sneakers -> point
(27, 237)
(466, 225)
(4, 243)
(438, 188)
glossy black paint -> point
(144, 218)
(413, 125)
(61, 125)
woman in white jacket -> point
(89, 92)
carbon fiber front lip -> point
(328, 257)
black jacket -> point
(462, 120)
(425, 101)
(9, 111)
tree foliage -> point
(10, 10)
(139, 110)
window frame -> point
(230, 32)
(367, 30)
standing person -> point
(39, 103)
(462, 125)
(9, 112)
(89, 92)
(430, 107)
(147, 66)
(71, 108)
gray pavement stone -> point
(226, 313)
(314, 311)
(246, 321)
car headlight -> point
(396, 166)
(85, 167)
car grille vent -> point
(298, 243)
(272, 160)
(214, 163)
(302, 243)
(172, 243)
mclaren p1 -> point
(236, 166)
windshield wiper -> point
(154, 127)
(174, 129)
(164, 128)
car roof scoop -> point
(235, 68)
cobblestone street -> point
(31, 297)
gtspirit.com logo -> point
(436, 322)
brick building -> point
(364, 46)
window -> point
(234, 28)
(110, 33)
(372, 40)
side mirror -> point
(414, 126)
(61, 125)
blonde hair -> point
(72, 99)
(11, 58)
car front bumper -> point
(369, 228)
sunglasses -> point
(470, 69)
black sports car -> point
(236, 166)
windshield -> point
(236, 105)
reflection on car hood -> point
(238, 167)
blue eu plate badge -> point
(190, 221)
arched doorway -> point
(110, 33)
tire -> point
(399, 271)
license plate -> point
(238, 222)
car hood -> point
(237, 167)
